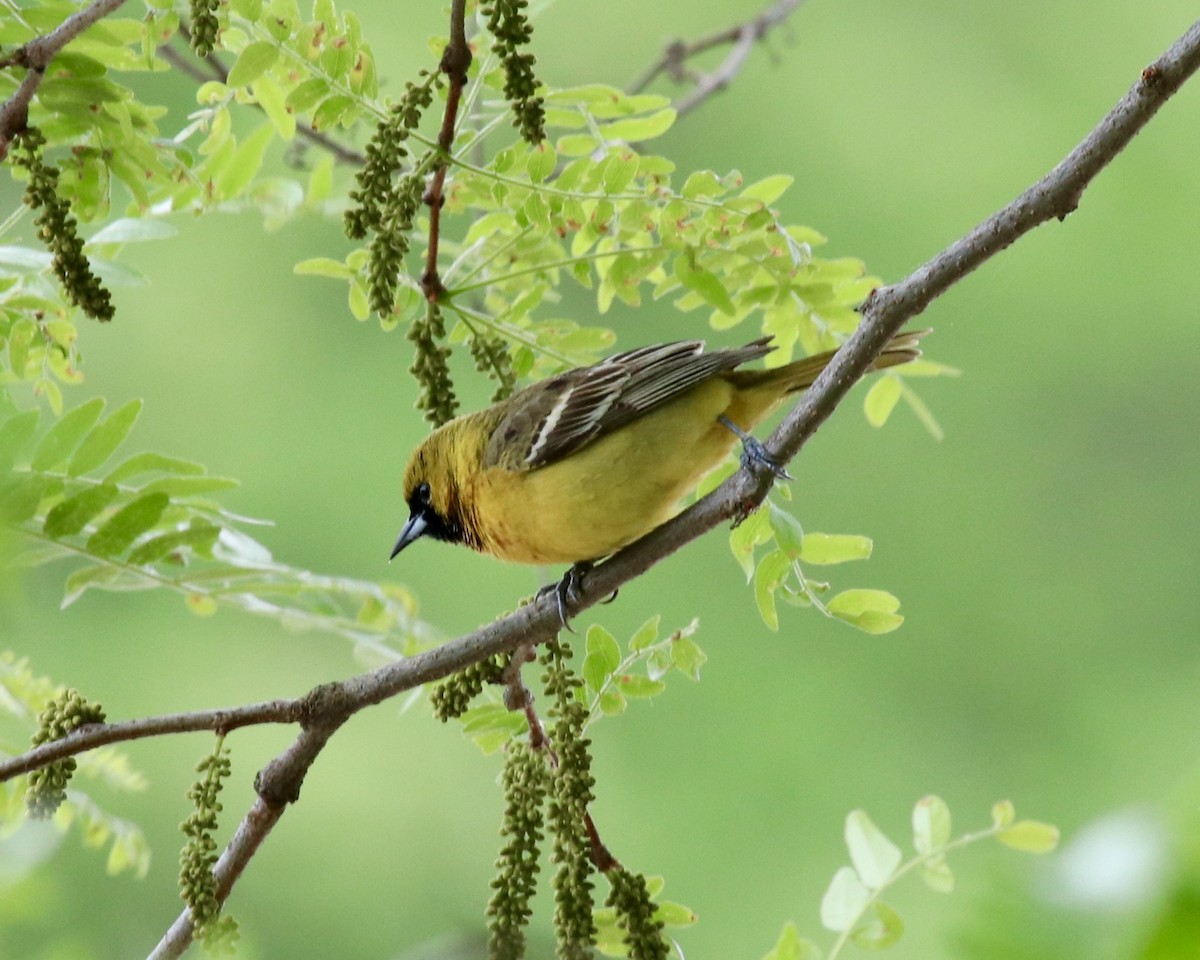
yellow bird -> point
(573, 468)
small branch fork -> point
(35, 56)
(743, 36)
(322, 711)
(456, 60)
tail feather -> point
(904, 347)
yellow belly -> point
(613, 491)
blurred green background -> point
(1045, 551)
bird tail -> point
(904, 347)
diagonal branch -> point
(325, 709)
(743, 36)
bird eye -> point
(421, 494)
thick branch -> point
(743, 36)
(35, 56)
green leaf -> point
(93, 575)
(189, 486)
(103, 440)
(269, 94)
(634, 129)
(16, 433)
(576, 144)
(770, 574)
(703, 283)
(673, 914)
(127, 524)
(686, 656)
(612, 702)
(937, 875)
(639, 688)
(143, 463)
(323, 267)
(307, 95)
(252, 63)
(872, 611)
(931, 825)
(844, 901)
(603, 657)
(246, 162)
(618, 171)
(542, 161)
(881, 400)
(61, 439)
(1003, 814)
(19, 501)
(702, 183)
(199, 536)
(645, 635)
(792, 946)
(134, 230)
(788, 532)
(829, 548)
(880, 932)
(1030, 836)
(754, 530)
(201, 604)
(68, 517)
(769, 189)
(874, 856)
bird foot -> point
(754, 454)
(567, 590)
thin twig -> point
(214, 69)
(743, 36)
(35, 56)
(101, 734)
(455, 61)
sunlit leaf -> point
(844, 901)
(103, 440)
(60, 440)
(792, 946)
(874, 856)
(931, 824)
(1030, 836)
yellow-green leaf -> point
(252, 63)
(1030, 836)
(881, 400)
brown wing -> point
(553, 419)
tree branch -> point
(35, 56)
(455, 61)
(743, 36)
(326, 708)
(101, 734)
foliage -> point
(24, 695)
(851, 906)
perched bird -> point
(573, 468)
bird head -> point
(431, 492)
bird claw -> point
(754, 454)
(567, 591)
